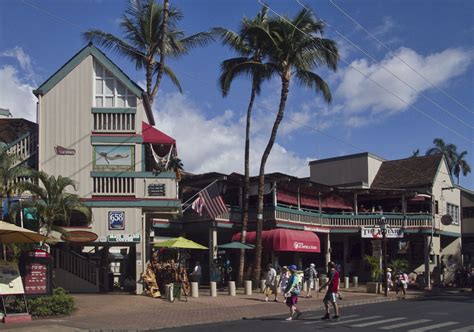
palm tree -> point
(415, 153)
(448, 150)
(11, 170)
(249, 63)
(53, 204)
(150, 31)
(294, 48)
(460, 165)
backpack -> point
(307, 273)
(297, 289)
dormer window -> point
(109, 91)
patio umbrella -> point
(236, 245)
(10, 233)
(179, 243)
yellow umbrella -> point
(179, 243)
(10, 233)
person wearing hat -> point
(291, 293)
(310, 275)
(389, 279)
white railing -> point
(24, 147)
(111, 186)
(77, 265)
(114, 122)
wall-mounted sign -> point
(79, 236)
(62, 151)
(116, 220)
(156, 189)
(122, 238)
(114, 157)
(376, 233)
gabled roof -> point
(90, 49)
(410, 173)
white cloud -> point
(16, 95)
(217, 144)
(357, 96)
(18, 53)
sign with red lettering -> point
(36, 278)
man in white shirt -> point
(270, 283)
(197, 273)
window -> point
(468, 212)
(109, 91)
(453, 211)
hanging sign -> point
(156, 189)
(122, 238)
(376, 233)
(62, 151)
(10, 279)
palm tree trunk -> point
(149, 79)
(245, 212)
(161, 68)
(285, 86)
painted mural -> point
(114, 157)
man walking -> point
(310, 275)
(270, 283)
(331, 294)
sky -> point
(406, 76)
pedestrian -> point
(283, 282)
(197, 273)
(291, 293)
(389, 279)
(310, 275)
(401, 283)
(333, 288)
(270, 283)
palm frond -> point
(314, 81)
(171, 75)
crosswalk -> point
(388, 323)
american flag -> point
(212, 201)
(197, 205)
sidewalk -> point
(134, 312)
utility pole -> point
(383, 228)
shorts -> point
(310, 283)
(330, 297)
(291, 300)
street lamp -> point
(383, 228)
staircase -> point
(75, 273)
(24, 147)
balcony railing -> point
(113, 186)
(114, 122)
(24, 147)
(313, 218)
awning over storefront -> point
(152, 135)
(281, 239)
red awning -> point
(281, 239)
(152, 135)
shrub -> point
(60, 303)
(375, 270)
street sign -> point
(376, 233)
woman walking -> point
(283, 282)
(291, 293)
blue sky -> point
(433, 37)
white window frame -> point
(453, 211)
(98, 66)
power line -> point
(403, 61)
(392, 73)
(375, 82)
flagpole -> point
(210, 184)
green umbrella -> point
(179, 243)
(236, 245)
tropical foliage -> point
(247, 64)
(375, 270)
(293, 47)
(53, 204)
(151, 34)
(399, 265)
(457, 163)
(11, 170)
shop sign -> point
(301, 245)
(62, 151)
(123, 238)
(156, 189)
(376, 233)
(315, 229)
(79, 236)
(116, 220)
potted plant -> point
(375, 272)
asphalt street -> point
(446, 312)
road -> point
(444, 312)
